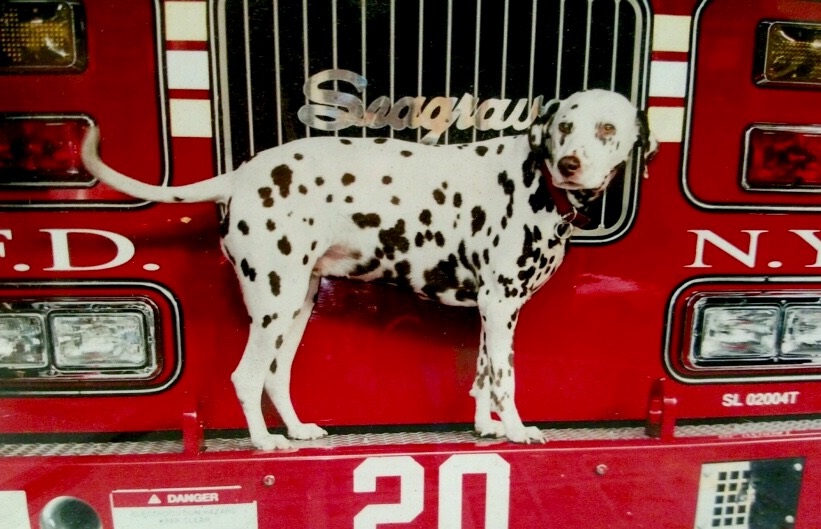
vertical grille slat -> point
(476, 49)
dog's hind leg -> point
(278, 379)
(274, 321)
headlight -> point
(742, 333)
(99, 341)
(22, 341)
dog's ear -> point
(646, 140)
(539, 130)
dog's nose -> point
(568, 166)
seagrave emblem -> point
(334, 109)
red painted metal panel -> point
(583, 484)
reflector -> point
(789, 53)
(782, 158)
(41, 36)
(42, 151)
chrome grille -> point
(527, 52)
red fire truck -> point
(674, 361)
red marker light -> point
(782, 158)
(42, 151)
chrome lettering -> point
(334, 110)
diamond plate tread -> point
(751, 429)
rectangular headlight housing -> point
(789, 53)
(63, 340)
(755, 330)
(42, 36)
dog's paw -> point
(271, 442)
(490, 428)
(525, 434)
(306, 431)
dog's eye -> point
(565, 127)
(606, 130)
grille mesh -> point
(514, 50)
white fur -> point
(462, 224)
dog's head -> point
(587, 138)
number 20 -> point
(412, 489)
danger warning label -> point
(191, 508)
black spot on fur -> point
(247, 271)
(279, 341)
(500, 149)
(265, 195)
(361, 270)
(387, 180)
(406, 153)
(348, 179)
(349, 199)
(298, 157)
(271, 225)
(178, 199)
(345, 141)
(509, 187)
(329, 199)
(393, 239)
(275, 282)
(419, 240)
(540, 199)
(403, 270)
(366, 220)
(425, 217)
(225, 221)
(284, 245)
(380, 140)
(319, 180)
(457, 200)
(441, 278)
(303, 189)
(274, 362)
(439, 196)
(440, 239)
(282, 177)
(481, 150)
(395, 201)
(243, 227)
(479, 218)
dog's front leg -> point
(495, 385)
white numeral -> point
(451, 484)
(412, 490)
(497, 489)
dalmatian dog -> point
(482, 224)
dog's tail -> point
(215, 189)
